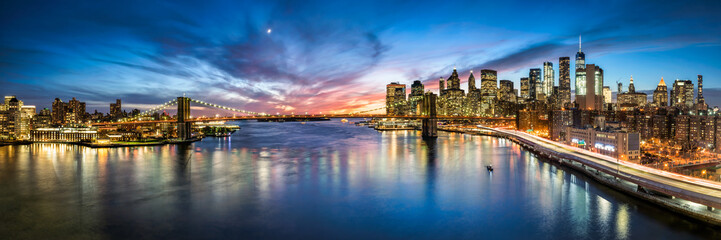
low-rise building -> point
(63, 134)
(612, 142)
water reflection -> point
(319, 180)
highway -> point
(697, 190)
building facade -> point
(395, 98)
(682, 94)
(548, 79)
(660, 95)
(564, 82)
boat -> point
(490, 168)
(264, 154)
(344, 120)
(223, 134)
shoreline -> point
(112, 145)
(658, 200)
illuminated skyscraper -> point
(598, 87)
(488, 82)
(441, 85)
(580, 72)
(564, 81)
(536, 88)
(660, 95)
(415, 97)
(395, 96)
(548, 78)
(525, 88)
(591, 96)
(682, 94)
(489, 90)
(700, 103)
(505, 91)
(607, 95)
(454, 82)
(471, 82)
(473, 98)
(417, 88)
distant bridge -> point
(184, 119)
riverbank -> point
(682, 207)
(135, 144)
(15, 143)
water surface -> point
(319, 180)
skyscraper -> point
(488, 82)
(415, 97)
(525, 88)
(417, 89)
(473, 98)
(682, 94)
(700, 102)
(607, 95)
(395, 96)
(588, 97)
(548, 78)
(564, 81)
(454, 82)
(536, 88)
(660, 95)
(505, 91)
(598, 87)
(580, 73)
(471, 82)
(700, 89)
(441, 85)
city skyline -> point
(159, 51)
(364, 120)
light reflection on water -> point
(322, 179)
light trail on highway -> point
(574, 150)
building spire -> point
(579, 42)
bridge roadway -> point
(274, 117)
(696, 190)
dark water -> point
(321, 180)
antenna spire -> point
(579, 42)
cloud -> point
(320, 55)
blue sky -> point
(333, 55)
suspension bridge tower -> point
(428, 108)
(184, 127)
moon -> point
(269, 30)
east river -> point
(320, 180)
